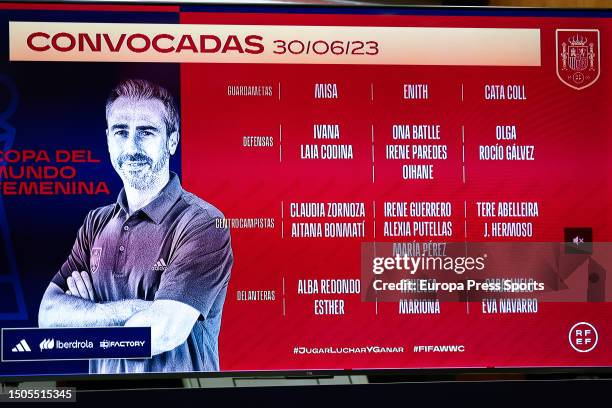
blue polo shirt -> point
(170, 249)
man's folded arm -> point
(196, 274)
(58, 309)
(170, 321)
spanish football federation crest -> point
(578, 57)
(94, 259)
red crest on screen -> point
(578, 57)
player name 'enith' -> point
(416, 91)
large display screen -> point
(216, 189)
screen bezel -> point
(369, 9)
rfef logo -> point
(583, 337)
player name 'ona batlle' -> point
(416, 131)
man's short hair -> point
(142, 89)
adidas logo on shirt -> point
(160, 265)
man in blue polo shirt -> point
(155, 257)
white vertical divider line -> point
(282, 219)
(280, 143)
(374, 216)
(463, 151)
(372, 128)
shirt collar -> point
(157, 209)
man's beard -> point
(144, 175)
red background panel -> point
(569, 179)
